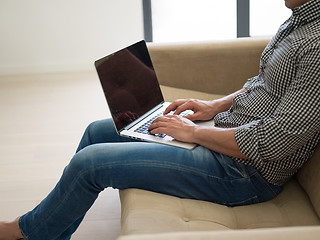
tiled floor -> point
(42, 118)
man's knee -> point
(80, 162)
(94, 127)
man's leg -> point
(193, 174)
(102, 131)
(197, 174)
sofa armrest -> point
(292, 233)
(218, 67)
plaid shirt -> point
(277, 119)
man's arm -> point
(221, 140)
(183, 129)
(203, 110)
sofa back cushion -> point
(309, 179)
(217, 67)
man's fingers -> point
(175, 106)
(183, 107)
(170, 108)
(192, 117)
(157, 130)
(158, 122)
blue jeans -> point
(104, 159)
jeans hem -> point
(25, 237)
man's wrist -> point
(220, 105)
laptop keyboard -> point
(144, 128)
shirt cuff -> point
(247, 140)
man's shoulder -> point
(306, 37)
(309, 32)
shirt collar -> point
(306, 13)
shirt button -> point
(186, 219)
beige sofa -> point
(207, 71)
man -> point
(273, 124)
(263, 134)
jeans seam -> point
(25, 237)
(177, 167)
(241, 203)
(168, 165)
(235, 179)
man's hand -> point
(178, 127)
(203, 110)
(221, 140)
(217, 139)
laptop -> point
(133, 94)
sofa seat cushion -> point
(148, 212)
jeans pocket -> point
(232, 168)
(236, 169)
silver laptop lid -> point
(129, 83)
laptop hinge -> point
(143, 116)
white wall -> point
(64, 35)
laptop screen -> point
(129, 83)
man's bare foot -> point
(10, 230)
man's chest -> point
(279, 63)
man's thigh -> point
(101, 131)
(196, 174)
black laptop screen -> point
(129, 83)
